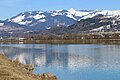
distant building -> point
(1, 38)
(21, 38)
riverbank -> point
(82, 38)
(14, 70)
(80, 41)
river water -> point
(69, 61)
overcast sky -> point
(10, 8)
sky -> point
(10, 8)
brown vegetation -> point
(84, 38)
(14, 70)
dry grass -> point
(14, 70)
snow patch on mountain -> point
(60, 10)
(108, 12)
(1, 24)
(24, 23)
(18, 19)
(70, 16)
(88, 16)
(72, 11)
(42, 20)
(38, 16)
(56, 13)
(97, 29)
(48, 28)
(77, 13)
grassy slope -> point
(10, 70)
(13, 70)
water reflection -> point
(72, 57)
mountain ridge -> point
(45, 20)
(69, 17)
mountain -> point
(10, 26)
(61, 22)
(40, 20)
(98, 23)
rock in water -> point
(47, 76)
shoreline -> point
(14, 70)
(80, 41)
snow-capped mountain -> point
(48, 19)
(98, 23)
